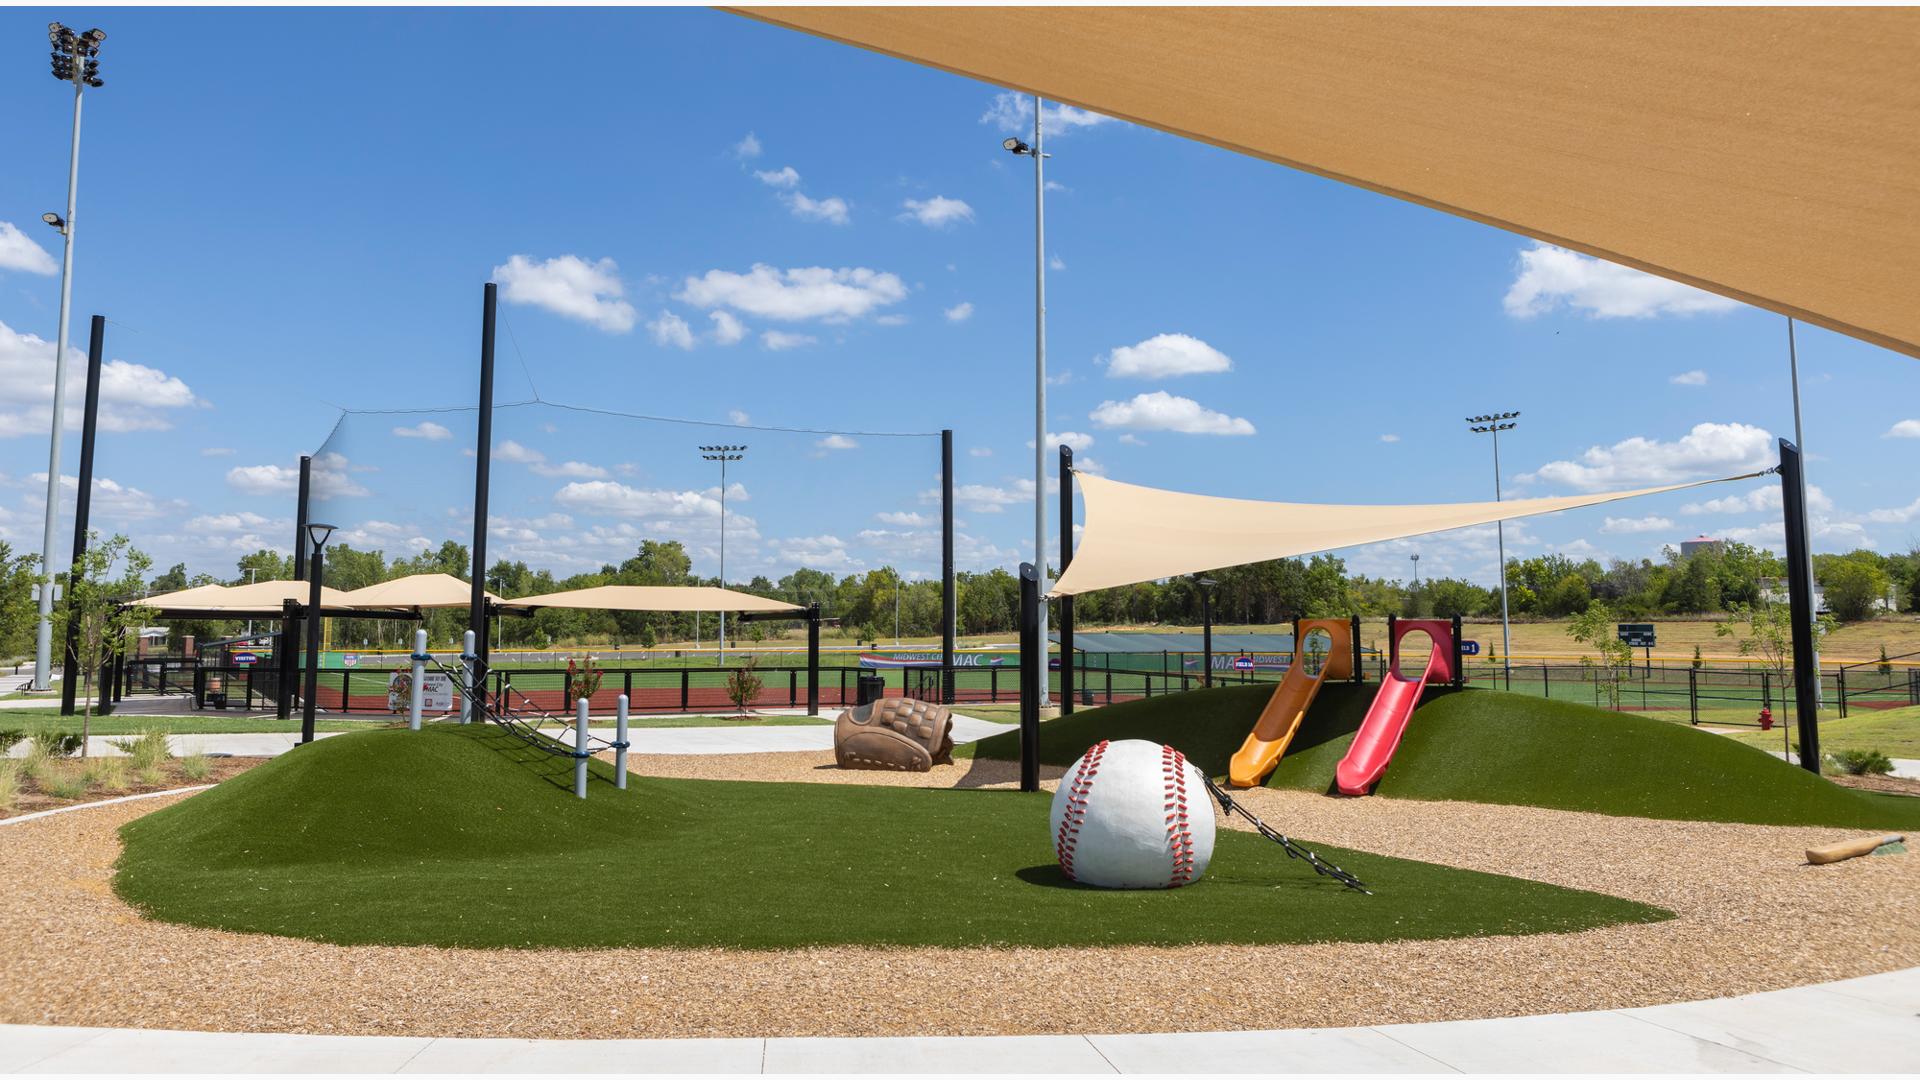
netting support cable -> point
(1293, 850)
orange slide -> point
(1291, 699)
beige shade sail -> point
(1771, 155)
(183, 598)
(416, 591)
(261, 596)
(653, 598)
(1136, 533)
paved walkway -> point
(1859, 1025)
(740, 739)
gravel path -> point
(1751, 918)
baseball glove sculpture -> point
(894, 733)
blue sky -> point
(275, 242)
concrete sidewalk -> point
(1859, 1025)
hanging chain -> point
(1294, 851)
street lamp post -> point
(1493, 424)
(75, 60)
(1036, 152)
(317, 535)
(723, 454)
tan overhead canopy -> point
(183, 598)
(1767, 154)
(416, 591)
(1136, 533)
(261, 596)
(653, 598)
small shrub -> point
(106, 772)
(1886, 668)
(9, 784)
(196, 767)
(9, 739)
(33, 766)
(153, 776)
(56, 744)
(64, 781)
(1860, 763)
(743, 684)
(1697, 662)
(147, 749)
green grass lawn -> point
(1893, 732)
(462, 836)
(1487, 746)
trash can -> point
(871, 688)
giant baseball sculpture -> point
(1133, 815)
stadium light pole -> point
(75, 60)
(1494, 424)
(723, 454)
(1206, 629)
(1036, 152)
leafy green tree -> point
(19, 614)
(99, 584)
(1854, 584)
(1596, 627)
(1766, 631)
(1451, 596)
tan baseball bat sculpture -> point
(1847, 849)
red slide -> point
(1379, 734)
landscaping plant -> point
(9, 738)
(1860, 763)
(109, 773)
(102, 579)
(9, 784)
(56, 744)
(64, 780)
(196, 767)
(743, 684)
(147, 749)
(1595, 627)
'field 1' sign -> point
(1243, 663)
(1469, 648)
(1638, 635)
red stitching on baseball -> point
(1079, 786)
(1173, 768)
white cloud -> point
(837, 442)
(1161, 411)
(727, 330)
(1636, 525)
(1013, 112)
(670, 331)
(1706, 451)
(780, 340)
(979, 451)
(748, 148)
(1059, 377)
(112, 500)
(988, 499)
(963, 311)
(1905, 429)
(425, 429)
(243, 521)
(832, 209)
(1897, 515)
(1389, 437)
(570, 286)
(736, 416)
(216, 451)
(329, 478)
(133, 397)
(578, 469)
(797, 294)
(783, 177)
(611, 497)
(1165, 356)
(937, 212)
(1764, 499)
(891, 320)
(1696, 377)
(1131, 439)
(906, 518)
(1079, 441)
(536, 462)
(1550, 277)
(19, 252)
(1055, 262)
(508, 450)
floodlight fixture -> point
(54, 220)
(1205, 582)
(1015, 146)
(318, 533)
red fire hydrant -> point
(1766, 718)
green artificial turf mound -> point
(461, 836)
(1493, 747)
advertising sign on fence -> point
(436, 692)
(1469, 648)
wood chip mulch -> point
(1752, 917)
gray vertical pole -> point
(284, 657)
(1066, 602)
(1032, 677)
(469, 695)
(813, 661)
(620, 743)
(82, 508)
(580, 749)
(1806, 665)
(417, 692)
(482, 465)
(949, 595)
(290, 627)
(43, 632)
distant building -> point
(1700, 543)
